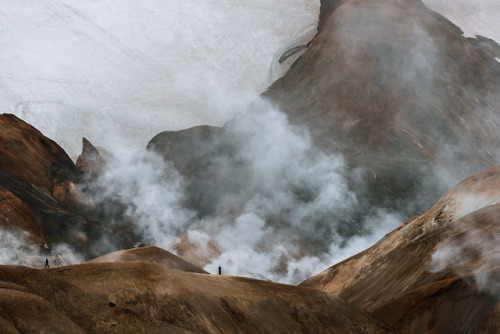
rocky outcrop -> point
(448, 254)
(186, 148)
(90, 163)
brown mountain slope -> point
(32, 157)
(37, 184)
(17, 215)
(448, 306)
(43, 198)
(150, 254)
(399, 91)
(457, 236)
(130, 297)
(23, 312)
(491, 322)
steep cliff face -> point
(399, 91)
(448, 254)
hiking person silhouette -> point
(220, 270)
(46, 263)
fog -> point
(278, 207)
(472, 253)
(16, 249)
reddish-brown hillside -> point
(42, 193)
(140, 297)
(37, 184)
(448, 306)
(32, 157)
(449, 253)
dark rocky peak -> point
(188, 148)
(90, 163)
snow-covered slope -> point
(474, 17)
(139, 67)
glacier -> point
(136, 68)
(480, 17)
(101, 69)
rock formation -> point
(90, 162)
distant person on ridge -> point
(46, 263)
(220, 270)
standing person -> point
(46, 263)
(220, 270)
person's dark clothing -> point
(220, 270)
(46, 263)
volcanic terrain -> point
(389, 95)
(437, 271)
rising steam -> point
(278, 206)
